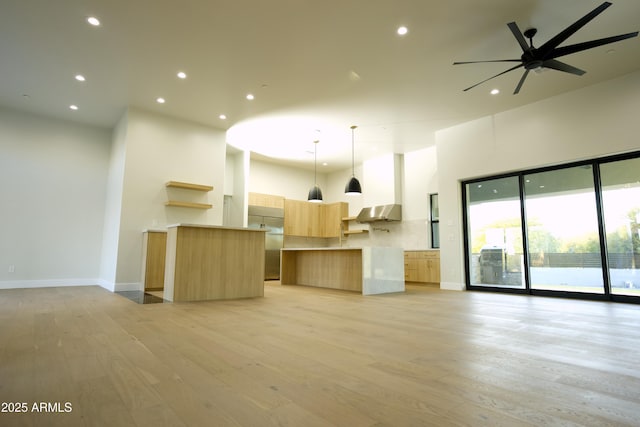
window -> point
(435, 220)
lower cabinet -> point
(422, 266)
(153, 260)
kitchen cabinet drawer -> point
(422, 266)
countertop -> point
(321, 249)
(154, 230)
(219, 227)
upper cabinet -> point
(266, 200)
(307, 219)
(334, 213)
(297, 218)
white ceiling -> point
(312, 65)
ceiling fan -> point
(545, 56)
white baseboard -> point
(57, 283)
(135, 286)
(106, 284)
(48, 283)
(452, 286)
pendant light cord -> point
(353, 160)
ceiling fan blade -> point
(493, 77)
(561, 66)
(493, 60)
(550, 45)
(579, 47)
(518, 35)
(521, 82)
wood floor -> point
(313, 357)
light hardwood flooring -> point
(315, 357)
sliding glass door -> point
(494, 231)
(571, 230)
(562, 230)
(621, 207)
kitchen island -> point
(207, 262)
(367, 270)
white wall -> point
(592, 122)
(237, 208)
(113, 205)
(161, 149)
(334, 191)
(291, 183)
(383, 175)
(420, 180)
(229, 174)
(52, 193)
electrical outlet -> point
(12, 268)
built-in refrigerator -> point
(272, 220)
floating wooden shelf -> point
(356, 231)
(189, 186)
(349, 218)
(179, 204)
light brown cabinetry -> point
(333, 223)
(369, 270)
(422, 266)
(154, 245)
(266, 200)
(314, 220)
(297, 218)
(213, 263)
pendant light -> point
(315, 194)
(353, 187)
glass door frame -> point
(602, 236)
(466, 239)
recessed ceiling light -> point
(93, 21)
(325, 164)
(250, 97)
(222, 117)
(182, 75)
(402, 30)
(80, 78)
(160, 100)
(495, 91)
(73, 107)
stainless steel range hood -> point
(380, 213)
